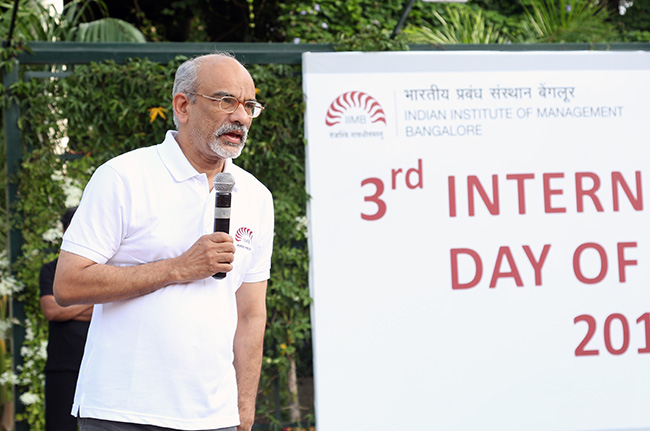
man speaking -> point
(170, 347)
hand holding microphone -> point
(223, 184)
(215, 250)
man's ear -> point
(181, 102)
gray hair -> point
(187, 77)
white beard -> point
(226, 150)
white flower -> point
(5, 327)
(8, 377)
(53, 234)
(28, 398)
(29, 335)
(42, 350)
(57, 176)
(9, 285)
(301, 225)
(71, 188)
(72, 196)
(302, 222)
(5, 287)
(72, 193)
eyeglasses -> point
(230, 104)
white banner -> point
(479, 239)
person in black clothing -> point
(68, 329)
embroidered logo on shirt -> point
(244, 237)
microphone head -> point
(224, 182)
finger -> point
(226, 257)
(224, 267)
(219, 237)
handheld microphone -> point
(223, 185)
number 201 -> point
(582, 350)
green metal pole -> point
(14, 13)
(15, 240)
(402, 20)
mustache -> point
(229, 128)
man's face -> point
(215, 132)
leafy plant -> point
(371, 38)
(553, 21)
(108, 29)
(457, 24)
(330, 21)
(634, 25)
(36, 21)
(504, 7)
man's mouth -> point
(233, 134)
(233, 137)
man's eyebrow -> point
(225, 93)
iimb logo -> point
(356, 114)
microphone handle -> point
(221, 225)
(222, 221)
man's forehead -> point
(224, 72)
(223, 66)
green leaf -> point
(109, 30)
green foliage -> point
(71, 125)
(38, 194)
(110, 109)
(636, 36)
(637, 16)
(329, 21)
(354, 24)
(562, 21)
(371, 38)
(321, 21)
(109, 30)
(634, 25)
(458, 24)
(503, 7)
(36, 21)
(276, 156)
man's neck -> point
(204, 165)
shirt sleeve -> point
(46, 279)
(260, 268)
(99, 224)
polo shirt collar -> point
(178, 165)
(174, 159)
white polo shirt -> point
(165, 358)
